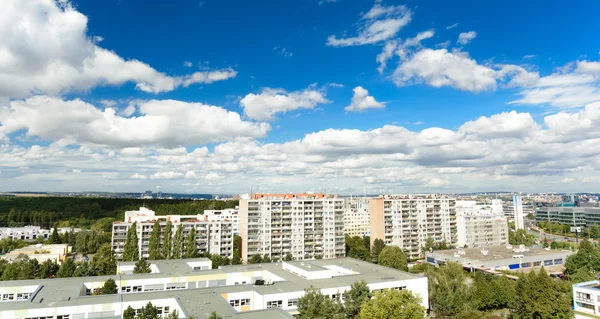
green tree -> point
(355, 248)
(358, 293)
(131, 252)
(214, 315)
(393, 304)
(148, 312)
(218, 260)
(594, 231)
(66, 269)
(237, 257)
(178, 243)
(129, 313)
(393, 257)
(378, 246)
(191, 248)
(449, 293)
(54, 238)
(30, 269)
(167, 241)
(539, 297)
(154, 246)
(490, 293)
(48, 269)
(255, 259)
(109, 288)
(83, 269)
(12, 271)
(172, 315)
(315, 305)
(289, 257)
(266, 259)
(586, 258)
(104, 262)
(142, 266)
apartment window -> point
(537, 263)
(274, 304)
(125, 289)
(23, 296)
(62, 317)
(137, 288)
(558, 261)
(239, 302)
(8, 297)
(156, 287)
(176, 285)
(293, 303)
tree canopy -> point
(142, 266)
(393, 257)
(393, 304)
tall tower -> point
(518, 205)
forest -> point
(82, 212)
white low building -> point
(27, 233)
(586, 299)
(256, 291)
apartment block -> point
(408, 220)
(574, 216)
(192, 288)
(356, 217)
(307, 226)
(214, 237)
(480, 224)
(231, 214)
(27, 233)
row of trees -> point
(24, 267)
(585, 264)
(592, 231)
(359, 302)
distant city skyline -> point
(351, 97)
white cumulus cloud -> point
(264, 105)
(362, 101)
(378, 24)
(466, 37)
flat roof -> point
(498, 255)
(170, 266)
(200, 302)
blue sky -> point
(217, 96)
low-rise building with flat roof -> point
(256, 291)
(55, 252)
(501, 257)
(586, 299)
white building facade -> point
(408, 220)
(214, 237)
(519, 217)
(231, 214)
(479, 224)
(307, 226)
(356, 217)
(586, 299)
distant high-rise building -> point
(159, 194)
(518, 207)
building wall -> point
(519, 217)
(376, 220)
(482, 230)
(574, 216)
(356, 218)
(408, 222)
(212, 237)
(304, 226)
